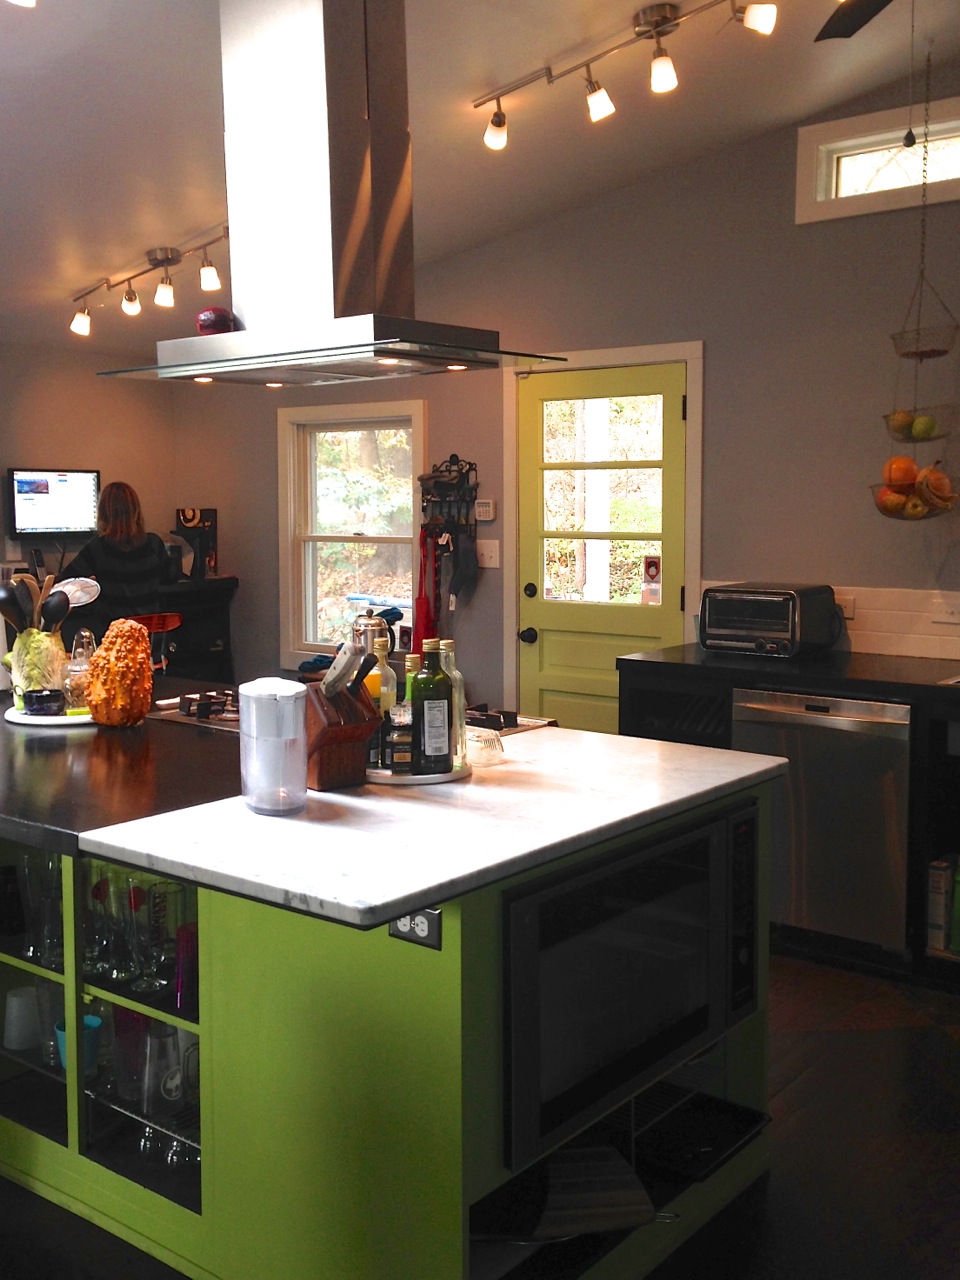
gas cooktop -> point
(213, 708)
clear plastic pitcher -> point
(273, 745)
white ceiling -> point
(111, 128)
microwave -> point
(775, 620)
(622, 968)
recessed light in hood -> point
(318, 159)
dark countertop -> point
(56, 783)
(835, 671)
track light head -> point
(80, 324)
(663, 74)
(599, 103)
(761, 18)
(495, 135)
(209, 279)
(164, 294)
(130, 306)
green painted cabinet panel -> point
(337, 1082)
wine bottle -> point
(388, 698)
(431, 698)
(458, 728)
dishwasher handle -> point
(882, 719)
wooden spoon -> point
(47, 587)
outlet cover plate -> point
(422, 927)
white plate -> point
(49, 722)
(79, 590)
(383, 777)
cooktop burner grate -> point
(217, 708)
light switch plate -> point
(488, 553)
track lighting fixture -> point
(599, 102)
(654, 22)
(157, 260)
(495, 135)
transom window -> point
(347, 518)
(860, 165)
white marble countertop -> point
(365, 855)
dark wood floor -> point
(865, 1139)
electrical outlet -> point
(847, 605)
(422, 927)
(947, 615)
(488, 554)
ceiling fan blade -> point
(848, 18)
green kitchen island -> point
(351, 1098)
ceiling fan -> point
(848, 17)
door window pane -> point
(625, 429)
(600, 570)
(615, 500)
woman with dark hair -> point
(127, 562)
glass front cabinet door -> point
(33, 1090)
(99, 994)
(138, 1048)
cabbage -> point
(37, 660)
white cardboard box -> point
(940, 875)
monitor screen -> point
(52, 502)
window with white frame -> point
(348, 518)
(860, 165)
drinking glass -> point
(140, 934)
(129, 1051)
(162, 1073)
(113, 890)
(94, 916)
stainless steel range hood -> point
(320, 206)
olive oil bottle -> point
(431, 697)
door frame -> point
(691, 354)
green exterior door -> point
(601, 532)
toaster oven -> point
(775, 620)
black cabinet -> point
(199, 649)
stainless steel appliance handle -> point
(815, 712)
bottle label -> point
(436, 728)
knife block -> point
(338, 731)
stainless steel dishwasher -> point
(842, 867)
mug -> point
(43, 702)
(91, 1044)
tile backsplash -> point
(919, 624)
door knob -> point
(528, 635)
(530, 589)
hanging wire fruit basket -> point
(929, 422)
(909, 492)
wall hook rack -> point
(448, 494)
